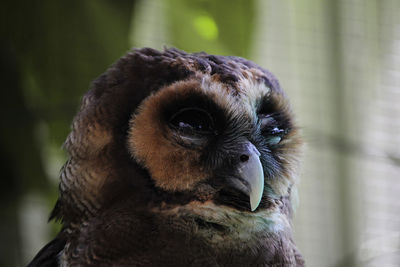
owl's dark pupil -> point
(192, 120)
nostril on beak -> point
(244, 158)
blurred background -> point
(339, 62)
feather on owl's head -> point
(171, 127)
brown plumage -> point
(178, 159)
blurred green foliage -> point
(218, 27)
(51, 50)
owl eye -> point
(192, 121)
(270, 129)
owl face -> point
(237, 140)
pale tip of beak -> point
(256, 185)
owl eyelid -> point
(189, 142)
(265, 120)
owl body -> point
(179, 159)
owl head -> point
(168, 129)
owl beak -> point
(250, 175)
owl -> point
(179, 159)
